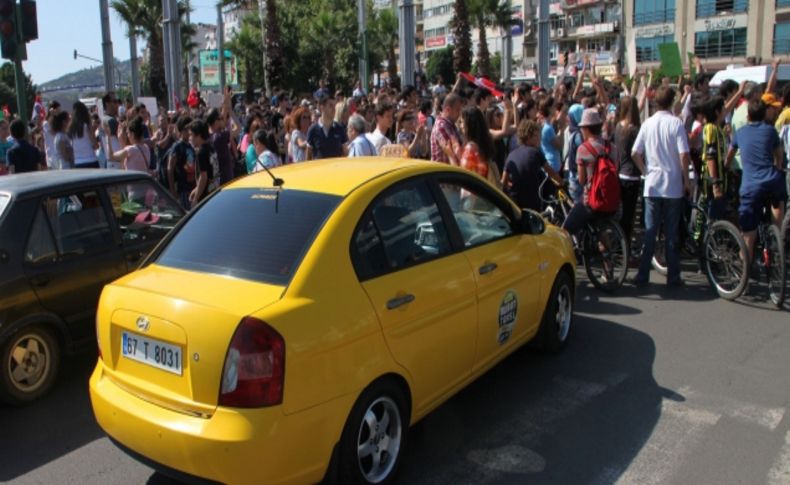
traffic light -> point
(29, 20)
(9, 34)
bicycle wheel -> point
(773, 259)
(724, 254)
(605, 255)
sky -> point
(65, 25)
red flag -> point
(483, 83)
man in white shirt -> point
(661, 152)
(360, 146)
(384, 118)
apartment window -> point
(577, 19)
(710, 8)
(782, 3)
(653, 11)
(647, 47)
(598, 45)
(557, 22)
(723, 43)
(782, 38)
(435, 32)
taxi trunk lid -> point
(164, 333)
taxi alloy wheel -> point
(30, 363)
(375, 436)
(558, 315)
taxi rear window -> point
(254, 234)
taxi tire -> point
(347, 465)
(44, 338)
(550, 339)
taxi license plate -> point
(152, 352)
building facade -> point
(720, 32)
(577, 28)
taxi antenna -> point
(277, 182)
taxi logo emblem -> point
(143, 324)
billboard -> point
(209, 69)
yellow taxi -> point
(295, 325)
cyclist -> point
(762, 159)
(714, 150)
(591, 126)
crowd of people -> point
(668, 141)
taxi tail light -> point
(254, 367)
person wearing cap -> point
(773, 107)
(591, 126)
(661, 152)
(762, 159)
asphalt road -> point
(656, 386)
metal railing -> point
(707, 51)
(710, 8)
(656, 17)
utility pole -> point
(543, 43)
(406, 41)
(168, 50)
(133, 61)
(175, 56)
(363, 45)
(106, 45)
(262, 14)
(507, 55)
(221, 48)
(190, 77)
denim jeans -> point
(575, 190)
(667, 212)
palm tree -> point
(503, 19)
(480, 11)
(384, 39)
(145, 20)
(274, 53)
(462, 53)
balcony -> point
(593, 29)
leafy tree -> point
(441, 63)
(8, 88)
(462, 54)
(246, 46)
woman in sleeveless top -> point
(83, 139)
(135, 155)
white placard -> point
(150, 105)
(214, 100)
(631, 54)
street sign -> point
(208, 61)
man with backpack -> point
(661, 151)
(597, 175)
(573, 140)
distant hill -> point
(70, 87)
(93, 75)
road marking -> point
(679, 429)
(779, 474)
(733, 408)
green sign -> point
(670, 59)
(209, 69)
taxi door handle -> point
(487, 268)
(399, 301)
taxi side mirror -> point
(532, 222)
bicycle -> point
(601, 244)
(771, 261)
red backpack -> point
(604, 195)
